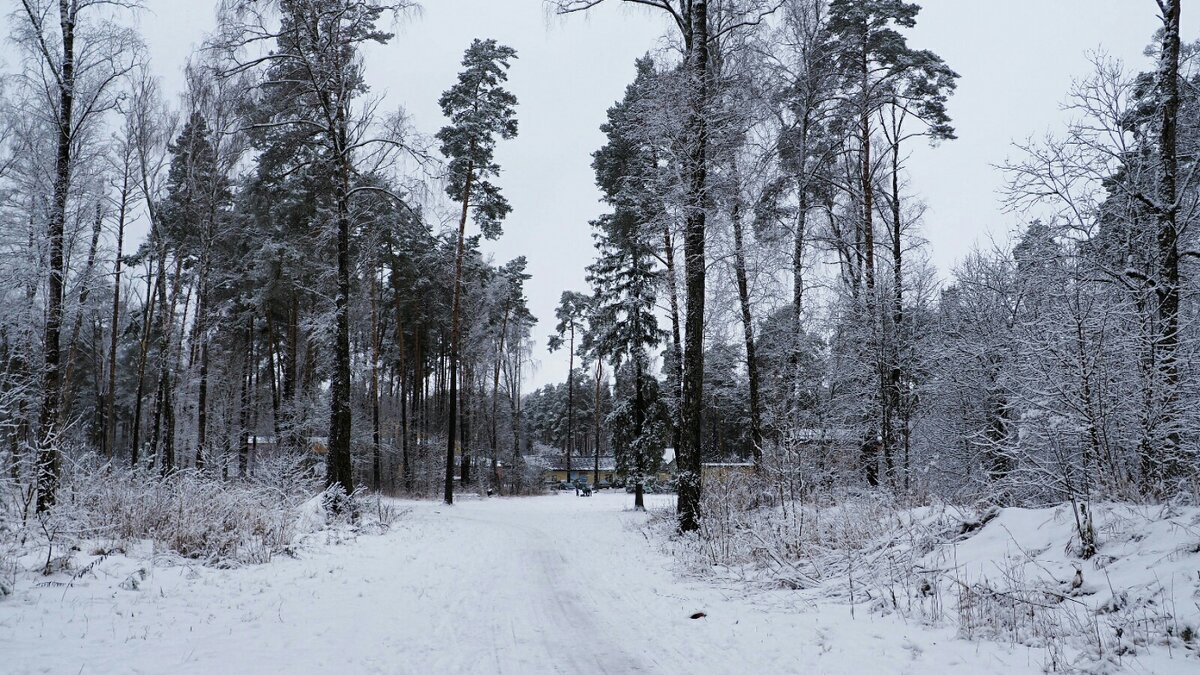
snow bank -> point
(1023, 577)
(1016, 575)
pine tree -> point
(315, 76)
(480, 110)
(571, 312)
(197, 193)
(878, 69)
(624, 326)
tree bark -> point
(570, 398)
(639, 426)
(110, 398)
(376, 453)
(495, 441)
(49, 465)
(246, 399)
(694, 272)
(85, 290)
(464, 464)
(202, 385)
(596, 420)
(1168, 244)
(451, 435)
(143, 357)
(743, 287)
(896, 395)
(338, 467)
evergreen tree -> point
(571, 312)
(480, 110)
(624, 326)
(315, 74)
(876, 68)
(198, 194)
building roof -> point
(825, 435)
(586, 464)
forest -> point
(220, 304)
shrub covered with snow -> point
(189, 513)
(1088, 587)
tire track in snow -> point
(571, 633)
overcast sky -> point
(1017, 59)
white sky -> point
(1017, 59)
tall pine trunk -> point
(898, 419)
(494, 437)
(596, 419)
(570, 399)
(676, 341)
(338, 467)
(135, 448)
(694, 272)
(1167, 85)
(376, 452)
(451, 434)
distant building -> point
(317, 445)
(834, 437)
(721, 470)
(583, 469)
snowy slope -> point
(1134, 604)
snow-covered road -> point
(554, 584)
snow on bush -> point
(190, 514)
(1022, 576)
(218, 522)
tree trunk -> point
(48, 461)
(743, 287)
(163, 438)
(338, 467)
(402, 371)
(494, 439)
(514, 401)
(676, 342)
(245, 400)
(85, 290)
(110, 397)
(895, 386)
(596, 419)
(639, 426)
(464, 465)
(798, 246)
(570, 398)
(1168, 244)
(448, 493)
(694, 268)
(143, 357)
(867, 255)
(376, 453)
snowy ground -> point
(554, 584)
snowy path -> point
(553, 584)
